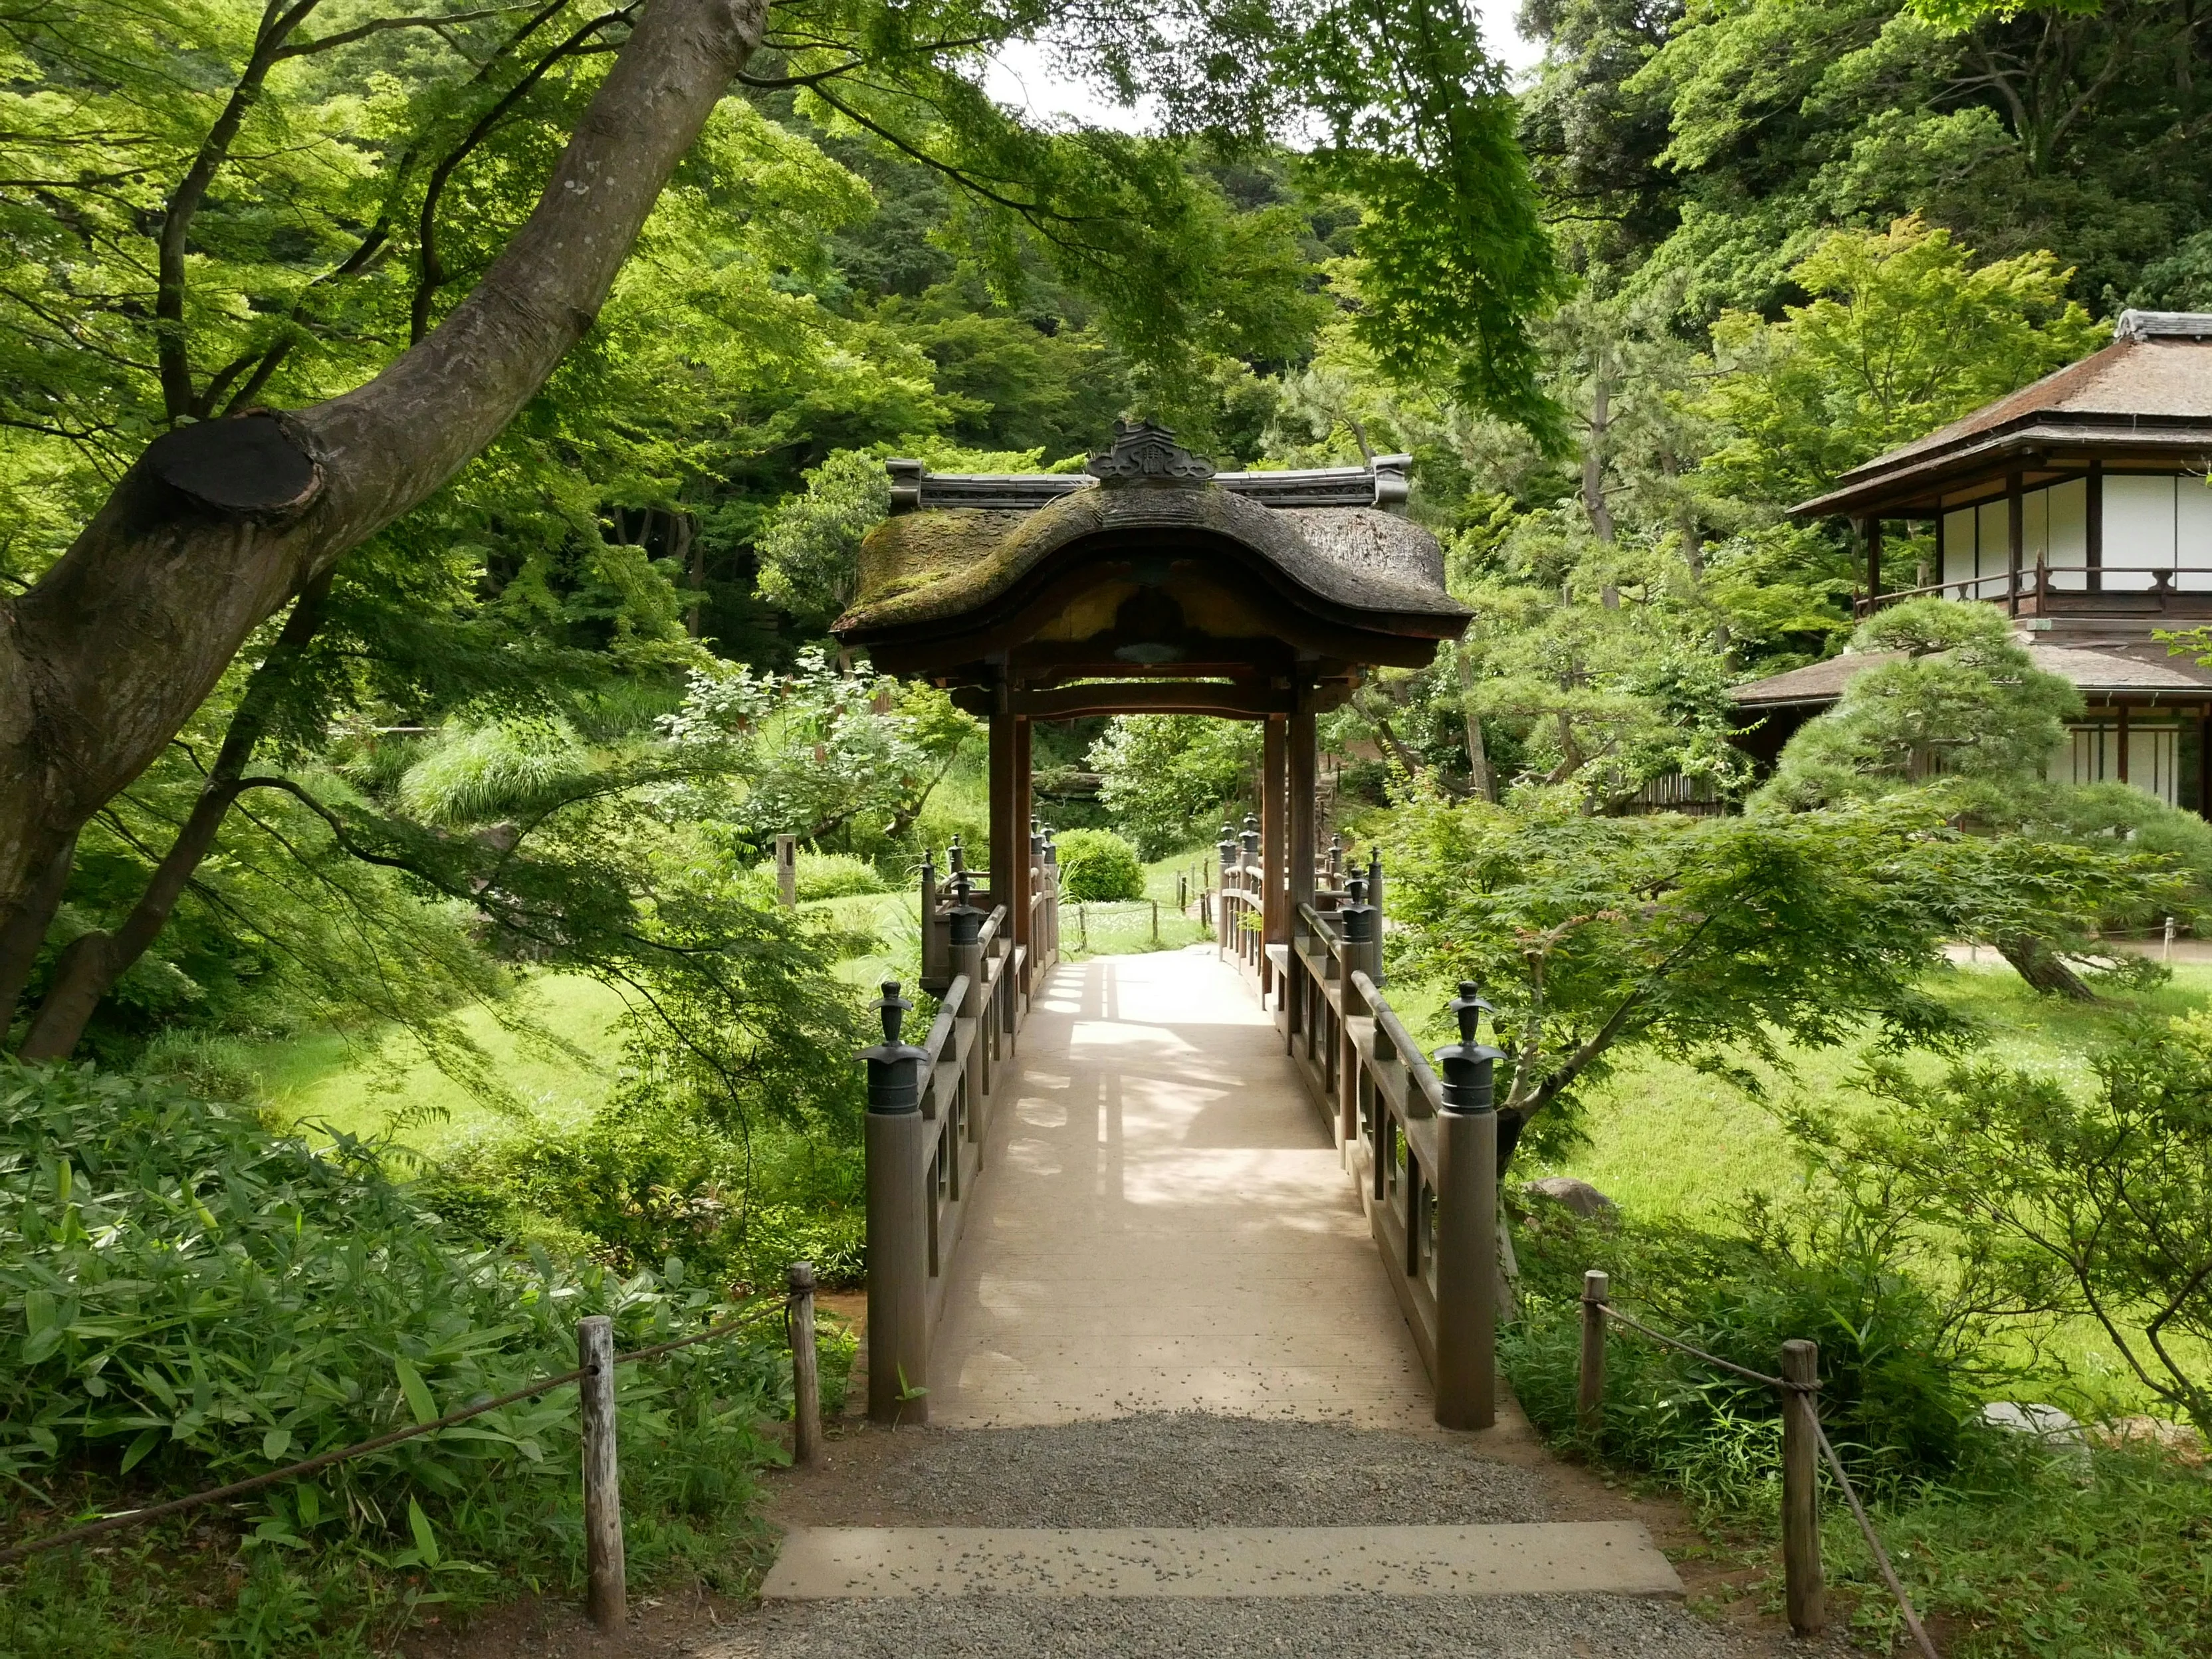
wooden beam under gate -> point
(1061, 702)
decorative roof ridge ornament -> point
(1143, 453)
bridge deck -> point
(1163, 1223)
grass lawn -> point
(1665, 1140)
(359, 1085)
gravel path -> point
(1187, 1469)
(1339, 1627)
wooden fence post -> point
(1589, 1390)
(607, 1594)
(898, 1212)
(1801, 1493)
(806, 1367)
(786, 871)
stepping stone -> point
(1614, 1557)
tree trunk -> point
(690, 554)
(2044, 968)
(1478, 756)
(1600, 419)
(93, 963)
(26, 930)
(104, 659)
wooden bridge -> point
(1215, 1178)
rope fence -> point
(602, 1496)
(1802, 1435)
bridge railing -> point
(930, 1108)
(1422, 1148)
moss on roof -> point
(940, 563)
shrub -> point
(1096, 865)
(1899, 1382)
(1168, 778)
(187, 1297)
(835, 875)
(642, 1180)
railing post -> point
(606, 1594)
(1801, 1500)
(1589, 1383)
(1467, 1224)
(933, 969)
(1052, 890)
(1227, 848)
(964, 954)
(1362, 954)
(898, 1218)
(806, 1366)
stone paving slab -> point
(1163, 1223)
(1614, 1557)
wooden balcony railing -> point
(2050, 590)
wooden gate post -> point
(1052, 898)
(1362, 948)
(1801, 1494)
(806, 1366)
(1467, 1224)
(1590, 1382)
(786, 871)
(607, 1593)
(898, 1221)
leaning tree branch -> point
(219, 522)
(171, 346)
(347, 37)
(430, 270)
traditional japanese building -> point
(2079, 504)
(1150, 583)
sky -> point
(1022, 77)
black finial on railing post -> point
(966, 921)
(1358, 915)
(1250, 838)
(1335, 859)
(894, 1067)
(955, 859)
(1375, 880)
(1036, 836)
(1226, 848)
(1469, 1066)
(1051, 847)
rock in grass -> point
(1585, 1200)
(2058, 1431)
(2177, 1440)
